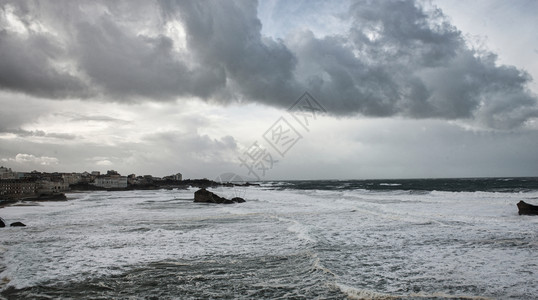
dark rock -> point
(238, 200)
(205, 196)
(527, 209)
(2, 223)
(17, 224)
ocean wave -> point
(390, 184)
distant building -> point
(30, 187)
(131, 179)
(46, 187)
(19, 175)
(111, 182)
(72, 178)
(85, 177)
(176, 177)
(112, 172)
(6, 173)
(17, 188)
(139, 180)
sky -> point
(271, 90)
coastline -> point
(40, 198)
(78, 188)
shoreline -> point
(81, 188)
(61, 197)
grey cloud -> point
(164, 153)
(63, 136)
(476, 87)
(129, 65)
(403, 59)
(33, 61)
(192, 142)
(226, 36)
(19, 111)
(107, 54)
(16, 111)
(39, 133)
(30, 65)
(403, 31)
(99, 118)
(398, 58)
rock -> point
(17, 224)
(238, 200)
(205, 196)
(2, 223)
(527, 209)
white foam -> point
(299, 229)
(363, 294)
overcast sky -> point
(394, 89)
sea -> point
(332, 239)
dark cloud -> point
(225, 36)
(30, 65)
(129, 65)
(398, 58)
(403, 59)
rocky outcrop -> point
(17, 224)
(205, 196)
(527, 209)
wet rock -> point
(2, 223)
(17, 224)
(205, 196)
(527, 209)
(238, 200)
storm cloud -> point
(396, 58)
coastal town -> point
(16, 186)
